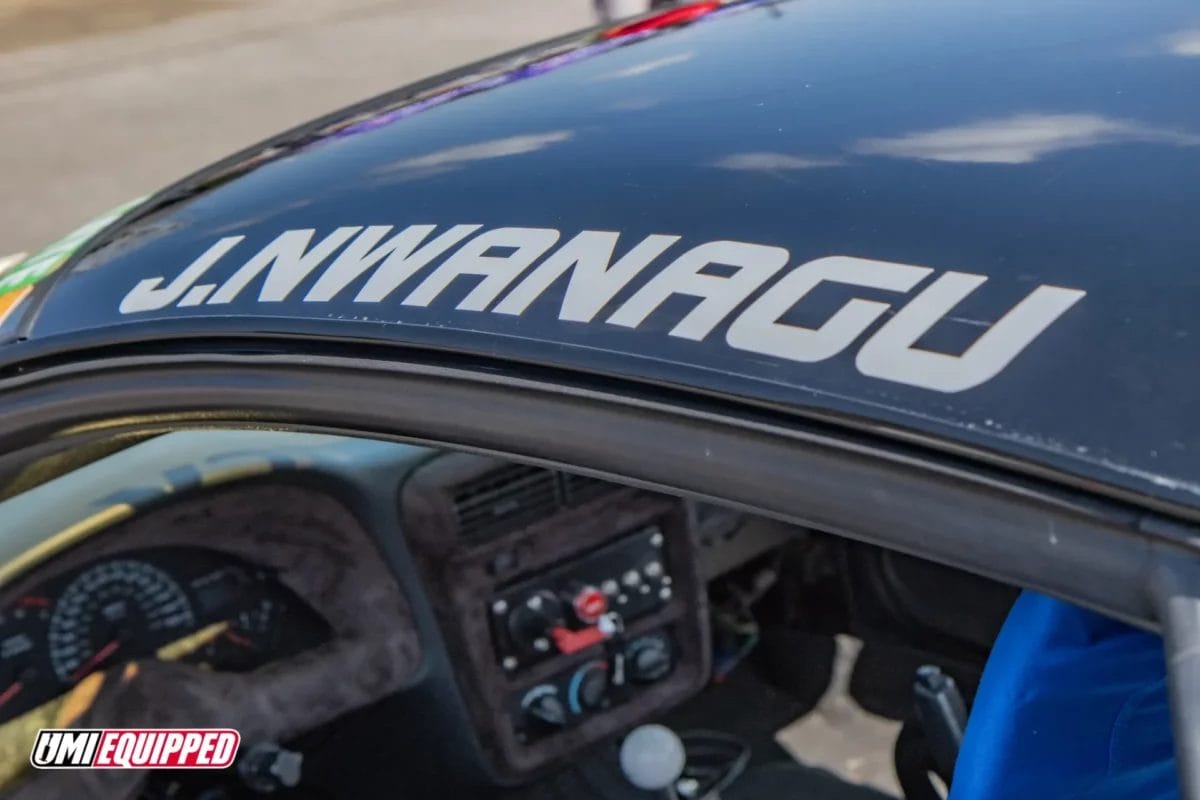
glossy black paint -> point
(1035, 143)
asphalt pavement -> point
(105, 100)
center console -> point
(572, 608)
(575, 608)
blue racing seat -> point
(1072, 705)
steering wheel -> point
(273, 703)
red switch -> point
(590, 604)
(569, 641)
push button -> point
(590, 604)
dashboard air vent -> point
(505, 498)
(579, 489)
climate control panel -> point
(593, 686)
(566, 610)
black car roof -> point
(973, 225)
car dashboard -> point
(515, 614)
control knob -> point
(543, 710)
(649, 658)
(589, 687)
(531, 621)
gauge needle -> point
(98, 658)
(192, 642)
(240, 641)
(11, 692)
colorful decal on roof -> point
(18, 278)
(11, 261)
(10, 301)
(561, 55)
(722, 275)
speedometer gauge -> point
(169, 603)
(110, 605)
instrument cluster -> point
(169, 603)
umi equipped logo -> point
(135, 748)
(746, 288)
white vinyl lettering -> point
(404, 254)
(890, 354)
(754, 264)
(594, 279)
(290, 261)
(362, 254)
(721, 276)
(527, 245)
(146, 296)
(759, 330)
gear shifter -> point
(653, 758)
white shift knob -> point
(652, 757)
